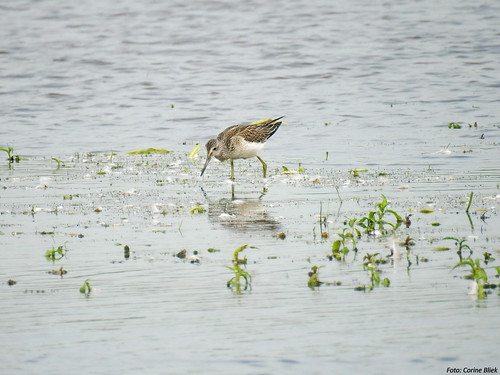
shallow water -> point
(373, 84)
(155, 309)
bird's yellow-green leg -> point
(232, 170)
(264, 166)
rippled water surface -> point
(368, 85)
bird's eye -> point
(215, 148)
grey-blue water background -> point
(372, 83)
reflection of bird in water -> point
(242, 215)
(242, 142)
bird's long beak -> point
(206, 164)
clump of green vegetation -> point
(56, 253)
(11, 158)
(181, 254)
(236, 283)
(126, 252)
(349, 235)
(461, 246)
(487, 257)
(280, 235)
(478, 274)
(314, 281)
(149, 151)
(86, 288)
(407, 221)
(212, 250)
(286, 170)
(376, 220)
(454, 125)
(11, 282)
(408, 243)
(371, 264)
(340, 247)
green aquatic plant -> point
(460, 243)
(86, 288)
(60, 163)
(376, 220)
(280, 235)
(371, 264)
(470, 201)
(407, 221)
(478, 274)
(314, 281)
(56, 253)
(181, 254)
(11, 158)
(349, 235)
(408, 243)
(487, 257)
(236, 283)
(322, 220)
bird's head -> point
(212, 148)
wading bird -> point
(242, 142)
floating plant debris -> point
(86, 288)
(441, 248)
(181, 254)
(281, 235)
(194, 151)
(314, 280)
(60, 272)
(149, 151)
(197, 210)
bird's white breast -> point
(249, 149)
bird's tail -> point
(274, 125)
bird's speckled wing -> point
(259, 132)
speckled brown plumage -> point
(241, 142)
